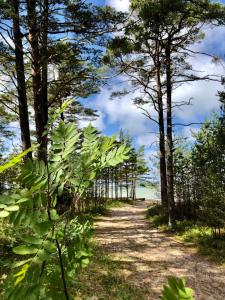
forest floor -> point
(147, 256)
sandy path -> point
(147, 256)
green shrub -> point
(54, 247)
(176, 290)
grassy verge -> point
(103, 210)
(195, 234)
(119, 203)
(103, 279)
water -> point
(144, 192)
(147, 193)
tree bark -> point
(36, 77)
(163, 177)
(44, 65)
(21, 83)
(170, 180)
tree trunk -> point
(133, 196)
(170, 183)
(163, 177)
(36, 77)
(21, 83)
(44, 66)
(121, 181)
(126, 180)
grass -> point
(195, 234)
(103, 210)
(119, 203)
(103, 279)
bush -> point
(156, 215)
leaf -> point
(82, 253)
(25, 250)
(42, 255)
(49, 246)
(54, 215)
(22, 200)
(168, 294)
(4, 214)
(12, 208)
(61, 188)
(6, 199)
(33, 292)
(15, 160)
(32, 240)
(176, 290)
(2, 205)
(20, 263)
(24, 269)
(21, 274)
(85, 262)
(42, 228)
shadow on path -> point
(147, 256)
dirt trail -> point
(148, 256)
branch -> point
(194, 123)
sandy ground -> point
(147, 256)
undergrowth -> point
(104, 210)
(192, 233)
(119, 203)
(9, 239)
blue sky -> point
(121, 114)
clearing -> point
(148, 256)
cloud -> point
(120, 5)
(204, 100)
(213, 42)
(98, 123)
(189, 132)
(148, 140)
(204, 94)
(122, 113)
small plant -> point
(176, 290)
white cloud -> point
(120, 5)
(123, 113)
(6, 40)
(213, 41)
(98, 123)
(189, 132)
(203, 93)
(149, 140)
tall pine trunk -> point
(21, 83)
(34, 35)
(44, 65)
(163, 177)
(170, 180)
